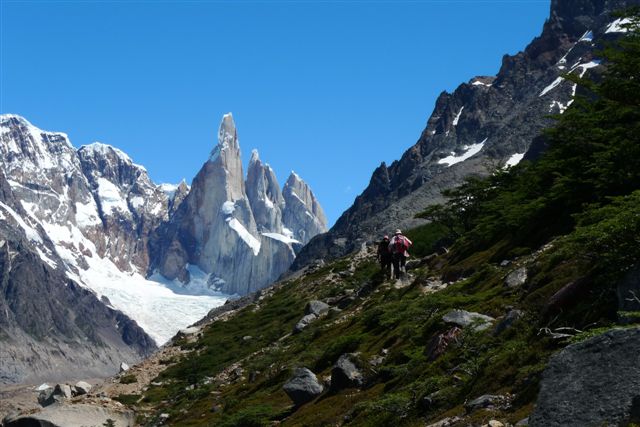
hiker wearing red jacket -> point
(398, 246)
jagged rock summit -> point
(242, 234)
(486, 123)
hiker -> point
(398, 246)
(384, 257)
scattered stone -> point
(516, 278)
(83, 387)
(316, 308)
(507, 321)
(247, 338)
(345, 373)
(483, 402)
(303, 387)
(592, 383)
(303, 323)
(523, 422)
(463, 318)
(164, 416)
(447, 422)
(495, 423)
(505, 263)
(43, 386)
(124, 367)
(190, 330)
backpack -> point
(400, 245)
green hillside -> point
(538, 247)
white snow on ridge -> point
(456, 119)
(87, 214)
(514, 159)
(29, 231)
(552, 86)
(244, 234)
(617, 26)
(110, 197)
(280, 237)
(228, 207)
(587, 66)
(470, 151)
(587, 36)
(168, 189)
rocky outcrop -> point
(592, 383)
(463, 319)
(303, 387)
(130, 206)
(345, 373)
(236, 231)
(485, 123)
(303, 214)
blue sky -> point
(326, 88)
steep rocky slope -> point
(486, 123)
(242, 234)
(51, 327)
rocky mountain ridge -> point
(486, 123)
(242, 233)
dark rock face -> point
(499, 117)
(345, 373)
(303, 387)
(592, 383)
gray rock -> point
(303, 387)
(463, 318)
(45, 397)
(484, 401)
(304, 322)
(516, 278)
(345, 373)
(592, 383)
(523, 422)
(63, 390)
(124, 367)
(316, 307)
(446, 422)
(508, 320)
(83, 387)
(72, 415)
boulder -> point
(345, 373)
(316, 308)
(63, 390)
(45, 397)
(507, 321)
(483, 402)
(303, 387)
(303, 323)
(592, 383)
(124, 367)
(516, 278)
(463, 318)
(83, 387)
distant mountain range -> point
(94, 224)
